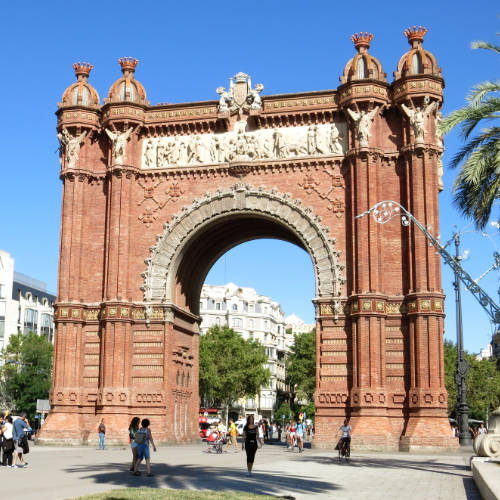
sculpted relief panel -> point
(279, 143)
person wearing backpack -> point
(142, 438)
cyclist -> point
(346, 430)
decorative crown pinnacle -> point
(82, 69)
(128, 64)
(415, 34)
(362, 39)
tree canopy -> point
(483, 383)
(301, 365)
(26, 371)
(230, 366)
(477, 185)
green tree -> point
(483, 383)
(477, 185)
(27, 370)
(230, 367)
(283, 411)
(301, 365)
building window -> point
(2, 291)
(47, 326)
(217, 321)
(362, 72)
(217, 306)
(416, 64)
(235, 307)
(236, 322)
(2, 328)
(30, 321)
(250, 323)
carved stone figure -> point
(417, 118)
(119, 142)
(440, 142)
(182, 153)
(334, 141)
(439, 134)
(241, 145)
(311, 140)
(321, 147)
(150, 155)
(225, 101)
(254, 96)
(71, 146)
(265, 147)
(280, 146)
(195, 150)
(363, 122)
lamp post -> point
(462, 408)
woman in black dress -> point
(249, 443)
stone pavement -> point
(59, 473)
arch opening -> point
(204, 231)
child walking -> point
(142, 438)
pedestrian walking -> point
(19, 437)
(102, 433)
(7, 430)
(233, 432)
(132, 430)
(143, 437)
(249, 443)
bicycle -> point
(345, 451)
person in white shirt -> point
(8, 441)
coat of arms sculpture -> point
(240, 96)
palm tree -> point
(477, 185)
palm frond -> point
(480, 90)
(488, 135)
(469, 116)
(480, 44)
(477, 186)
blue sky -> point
(186, 50)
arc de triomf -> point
(153, 195)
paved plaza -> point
(58, 473)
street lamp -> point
(462, 368)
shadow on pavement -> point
(433, 465)
(202, 478)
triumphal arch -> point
(153, 195)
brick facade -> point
(137, 242)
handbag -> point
(8, 445)
(339, 444)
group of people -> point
(140, 436)
(14, 440)
(474, 431)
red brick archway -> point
(153, 195)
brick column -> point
(427, 424)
